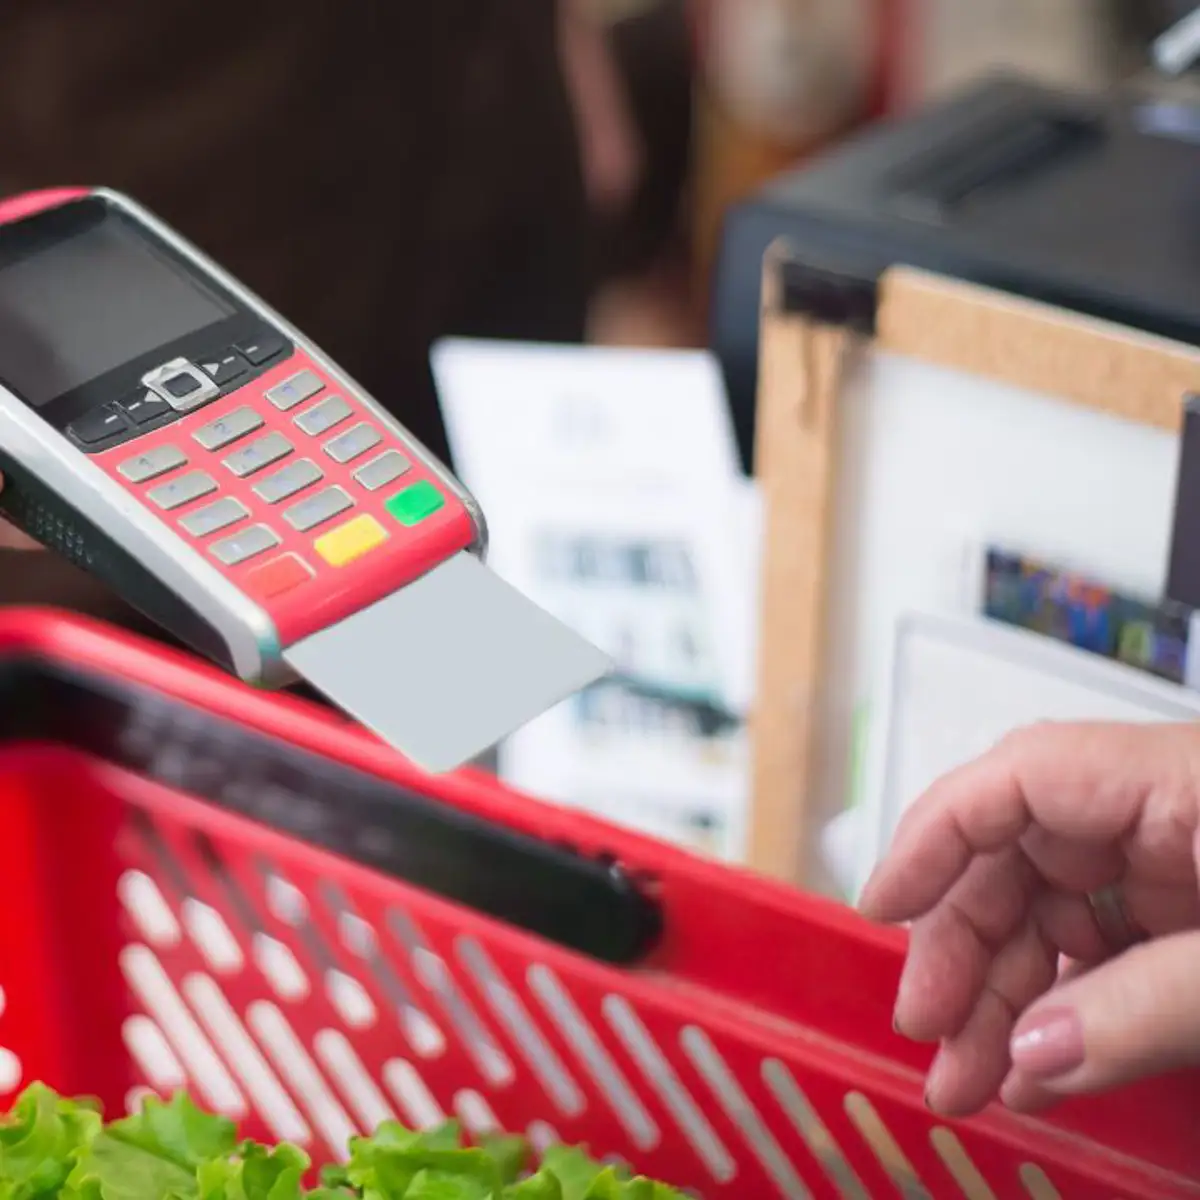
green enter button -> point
(415, 503)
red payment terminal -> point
(162, 428)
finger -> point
(12, 538)
(1074, 864)
(971, 1066)
(1024, 1095)
(951, 949)
(1019, 1091)
(1069, 923)
(1082, 781)
(1133, 1016)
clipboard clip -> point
(838, 306)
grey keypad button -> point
(321, 418)
(152, 464)
(295, 390)
(181, 491)
(224, 430)
(293, 478)
(352, 443)
(261, 452)
(212, 518)
(243, 545)
(317, 509)
(382, 470)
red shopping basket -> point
(210, 887)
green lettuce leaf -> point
(542, 1186)
(38, 1138)
(177, 1131)
(254, 1173)
(53, 1148)
(510, 1154)
(155, 1154)
(574, 1170)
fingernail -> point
(932, 1083)
(1048, 1044)
(1010, 1090)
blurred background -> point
(725, 94)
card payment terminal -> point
(162, 428)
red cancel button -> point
(278, 576)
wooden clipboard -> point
(802, 365)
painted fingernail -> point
(1048, 1044)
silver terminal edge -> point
(448, 666)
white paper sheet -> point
(614, 497)
(956, 686)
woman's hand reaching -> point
(1052, 889)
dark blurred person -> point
(382, 173)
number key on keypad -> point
(382, 470)
(321, 418)
(152, 464)
(287, 481)
(262, 452)
(295, 390)
(247, 544)
(183, 490)
(225, 430)
(212, 518)
(317, 509)
(352, 443)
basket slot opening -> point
(213, 937)
(287, 903)
(1037, 1184)
(542, 1135)
(475, 1113)
(511, 1012)
(436, 977)
(155, 990)
(343, 1065)
(885, 1147)
(814, 1132)
(958, 1162)
(360, 938)
(10, 1065)
(293, 1064)
(10, 1071)
(270, 1098)
(280, 968)
(150, 1050)
(419, 1106)
(579, 1034)
(661, 1076)
(707, 1059)
(136, 1098)
(148, 909)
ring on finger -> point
(1111, 912)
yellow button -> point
(350, 541)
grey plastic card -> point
(448, 666)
